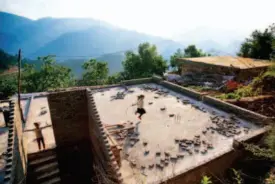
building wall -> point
(244, 74)
(80, 138)
(204, 68)
(104, 156)
(220, 164)
(20, 146)
(69, 115)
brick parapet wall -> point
(156, 79)
(181, 89)
(216, 165)
(103, 153)
(137, 81)
(253, 135)
(241, 112)
(10, 159)
(20, 146)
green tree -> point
(95, 72)
(174, 57)
(145, 63)
(8, 84)
(115, 78)
(49, 76)
(259, 44)
(193, 51)
(189, 52)
(6, 60)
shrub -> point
(206, 180)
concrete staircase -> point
(43, 168)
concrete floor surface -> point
(39, 104)
(160, 131)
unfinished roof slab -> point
(159, 130)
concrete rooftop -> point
(229, 61)
(32, 110)
(160, 131)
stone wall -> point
(103, 156)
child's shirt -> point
(38, 133)
(140, 104)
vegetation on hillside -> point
(95, 73)
(6, 60)
(144, 63)
(260, 45)
(188, 52)
(51, 75)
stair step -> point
(53, 181)
(42, 160)
(46, 167)
(41, 154)
(48, 175)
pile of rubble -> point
(195, 145)
(119, 95)
(158, 91)
(226, 127)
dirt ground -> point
(264, 105)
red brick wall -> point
(103, 155)
(69, 115)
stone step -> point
(46, 176)
(44, 160)
(45, 168)
(55, 180)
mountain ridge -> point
(83, 37)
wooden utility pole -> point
(19, 85)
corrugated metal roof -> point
(229, 61)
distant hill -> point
(8, 62)
(221, 41)
(11, 21)
(69, 38)
(114, 61)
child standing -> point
(38, 133)
(140, 109)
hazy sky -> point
(157, 17)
